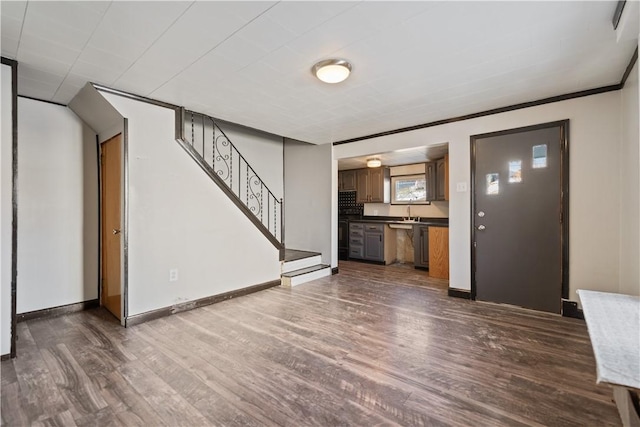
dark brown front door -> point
(518, 207)
(111, 225)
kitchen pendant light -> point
(374, 163)
(332, 70)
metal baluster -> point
(261, 198)
(203, 138)
(213, 144)
(192, 130)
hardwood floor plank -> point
(373, 345)
(169, 405)
(77, 389)
(39, 396)
(63, 419)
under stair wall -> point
(179, 219)
(309, 222)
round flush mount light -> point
(332, 70)
(374, 163)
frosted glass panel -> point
(539, 156)
(493, 183)
(515, 171)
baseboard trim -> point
(459, 293)
(5, 357)
(190, 305)
(334, 270)
(58, 311)
(570, 309)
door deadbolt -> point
(481, 214)
(481, 227)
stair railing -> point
(210, 147)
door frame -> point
(564, 196)
(124, 219)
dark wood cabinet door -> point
(348, 180)
(373, 247)
(362, 186)
(376, 179)
(431, 176)
(440, 179)
(421, 247)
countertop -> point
(439, 222)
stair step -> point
(304, 275)
(295, 254)
(300, 263)
(306, 270)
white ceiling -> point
(249, 62)
(399, 157)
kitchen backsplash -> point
(434, 210)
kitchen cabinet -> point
(437, 174)
(373, 185)
(372, 242)
(431, 177)
(421, 246)
(439, 252)
(347, 180)
(442, 178)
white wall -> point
(594, 193)
(179, 219)
(263, 151)
(630, 188)
(308, 198)
(57, 208)
(6, 159)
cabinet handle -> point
(380, 238)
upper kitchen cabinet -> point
(373, 185)
(347, 180)
(438, 179)
(442, 178)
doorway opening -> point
(111, 225)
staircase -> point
(212, 150)
(300, 267)
(207, 144)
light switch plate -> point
(461, 187)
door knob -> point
(116, 231)
(481, 227)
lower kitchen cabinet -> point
(439, 252)
(421, 246)
(372, 242)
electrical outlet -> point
(173, 275)
(461, 187)
(375, 211)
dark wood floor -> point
(370, 346)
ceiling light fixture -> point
(374, 163)
(332, 70)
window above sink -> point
(409, 189)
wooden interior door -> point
(111, 296)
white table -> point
(613, 321)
